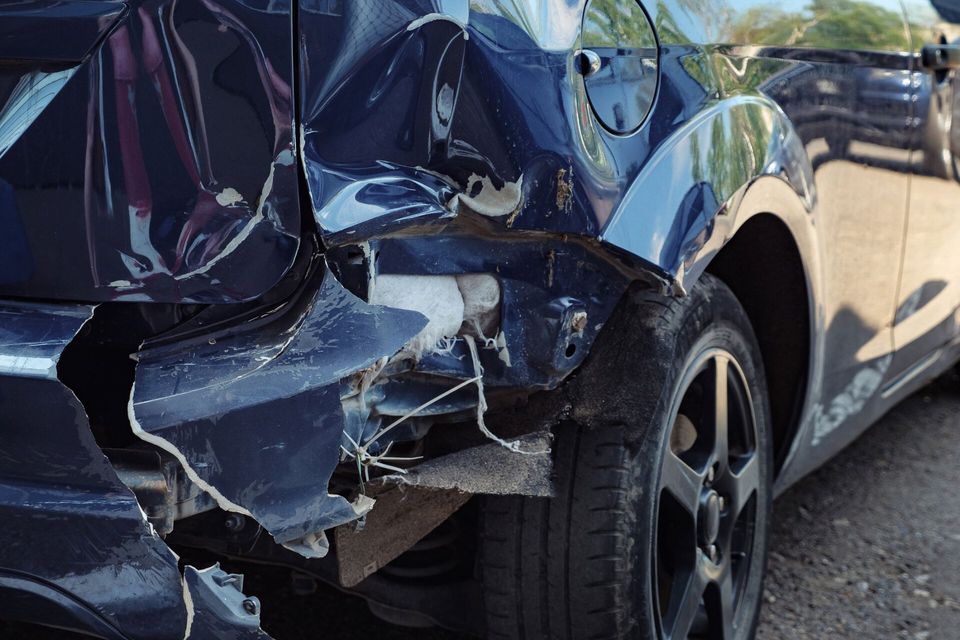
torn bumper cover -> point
(262, 414)
(255, 418)
(77, 545)
(460, 269)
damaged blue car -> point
(510, 316)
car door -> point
(929, 293)
(846, 91)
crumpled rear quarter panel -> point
(147, 150)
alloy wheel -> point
(708, 504)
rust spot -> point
(578, 322)
(564, 190)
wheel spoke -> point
(682, 482)
(685, 598)
(721, 412)
(740, 486)
(727, 605)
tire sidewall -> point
(709, 322)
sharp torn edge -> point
(434, 17)
(167, 446)
(490, 201)
(188, 604)
(314, 545)
(370, 256)
(187, 599)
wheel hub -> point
(708, 518)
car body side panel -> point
(438, 139)
(842, 91)
(54, 31)
(421, 136)
(929, 295)
(70, 526)
(160, 165)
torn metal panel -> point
(71, 526)
(219, 610)
(255, 416)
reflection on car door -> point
(929, 292)
(847, 93)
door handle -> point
(940, 57)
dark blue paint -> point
(164, 167)
(256, 411)
(408, 126)
(70, 527)
(55, 31)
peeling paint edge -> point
(434, 17)
(167, 446)
(151, 530)
(251, 224)
(188, 605)
(490, 201)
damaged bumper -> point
(302, 418)
(77, 545)
(459, 272)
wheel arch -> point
(732, 192)
(763, 266)
(772, 260)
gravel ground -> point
(866, 547)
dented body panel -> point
(51, 467)
(257, 417)
(325, 236)
(173, 178)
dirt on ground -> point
(866, 547)
(869, 545)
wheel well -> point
(763, 268)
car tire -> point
(614, 552)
